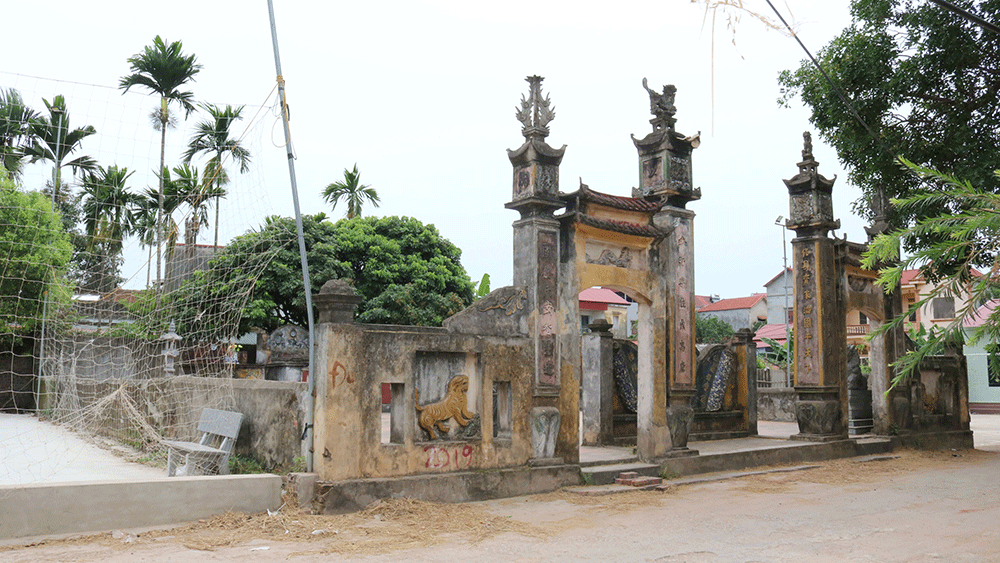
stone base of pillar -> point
(679, 419)
(544, 430)
(819, 420)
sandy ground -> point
(917, 507)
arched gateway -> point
(641, 245)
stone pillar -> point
(820, 332)
(665, 175)
(535, 195)
(336, 302)
(340, 362)
(746, 361)
(598, 385)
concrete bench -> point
(211, 454)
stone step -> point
(633, 479)
(606, 474)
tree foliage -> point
(352, 191)
(162, 68)
(36, 251)
(15, 120)
(406, 272)
(926, 81)
(966, 238)
(711, 330)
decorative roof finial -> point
(535, 112)
(662, 106)
(807, 150)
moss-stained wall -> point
(354, 361)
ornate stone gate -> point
(641, 245)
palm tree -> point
(53, 141)
(185, 188)
(109, 209)
(15, 118)
(353, 191)
(163, 69)
(212, 136)
(109, 216)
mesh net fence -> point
(120, 304)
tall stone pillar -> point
(665, 175)
(820, 331)
(535, 196)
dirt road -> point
(917, 507)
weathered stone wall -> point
(273, 411)
(353, 361)
(776, 404)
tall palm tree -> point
(109, 209)
(163, 69)
(53, 141)
(212, 136)
(145, 224)
(353, 191)
(185, 188)
(15, 118)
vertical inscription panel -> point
(547, 361)
(683, 341)
(807, 351)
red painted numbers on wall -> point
(338, 370)
(455, 458)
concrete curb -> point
(85, 507)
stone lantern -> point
(810, 197)
(170, 352)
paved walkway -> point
(33, 451)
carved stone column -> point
(535, 195)
(665, 175)
(820, 332)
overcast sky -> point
(421, 95)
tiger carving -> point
(452, 406)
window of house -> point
(913, 315)
(943, 307)
(584, 322)
(862, 319)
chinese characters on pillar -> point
(806, 341)
(683, 342)
(547, 359)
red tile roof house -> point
(602, 303)
(738, 312)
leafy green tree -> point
(15, 119)
(402, 251)
(926, 81)
(214, 136)
(405, 270)
(163, 69)
(483, 289)
(36, 251)
(352, 191)
(53, 141)
(967, 234)
(711, 330)
(781, 355)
